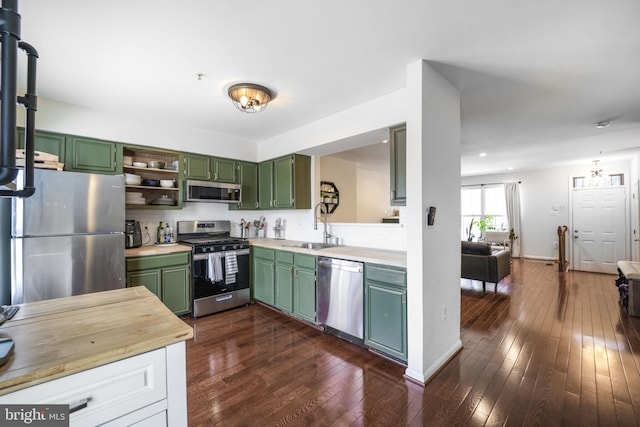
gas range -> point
(220, 266)
(207, 245)
(209, 236)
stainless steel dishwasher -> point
(341, 298)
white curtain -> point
(512, 197)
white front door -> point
(599, 229)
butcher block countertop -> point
(352, 253)
(156, 250)
(59, 337)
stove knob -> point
(204, 250)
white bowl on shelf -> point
(141, 201)
(167, 183)
(133, 181)
(140, 164)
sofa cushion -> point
(476, 248)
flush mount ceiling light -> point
(250, 97)
(603, 124)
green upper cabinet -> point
(224, 170)
(265, 185)
(48, 142)
(285, 183)
(197, 167)
(247, 174)
(398, 165)
(92, 155)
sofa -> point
(481, 262)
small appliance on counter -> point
(132, 234)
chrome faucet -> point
(323, 209)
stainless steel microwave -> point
(214, 192)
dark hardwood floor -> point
(546, 349)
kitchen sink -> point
(311, 245)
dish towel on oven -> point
(231, 266)
(214, 267)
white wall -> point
(372, 196)
(57, 116)
(544, 197)
(343, 174)
(433, 252)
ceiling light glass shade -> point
(250, 97)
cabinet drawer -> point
(386, 274)
(157, 261)
(284, 257)
(109, 391)
(305, 261)
(263, 253)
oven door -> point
(208, 292)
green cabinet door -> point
(284, 287)
(148, 278)
(224, 170)
(283, 182)
(265, 185)
(386, 310)
(91, 155)
(168, 276)
(304, 287)
(263, 280)
(48, 142)
(197, 167)
(176, 289)
(398, 167)
(304, 291)
(247, 174)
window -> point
(480, 202)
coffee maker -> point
(132, 234)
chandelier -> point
(250, 97)
(596, 173)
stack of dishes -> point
(164, 200)
(134, 198)
(132, 179)
(140, 164)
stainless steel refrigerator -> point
(68, 238)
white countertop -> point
(352, 253)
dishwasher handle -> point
(334, 264)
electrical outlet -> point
(444, 313)
(555, 245)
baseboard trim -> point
(426, 376)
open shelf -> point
(329, 196)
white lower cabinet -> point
(144, 390)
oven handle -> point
(239, 252)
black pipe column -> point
(5, 250)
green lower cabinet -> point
(149, 279)
(284, 287)
(176, 289)
(168, 276)
(386, 310)
(305, 294)
(263, 275)
(286, 280)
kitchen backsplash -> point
(299, 225)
